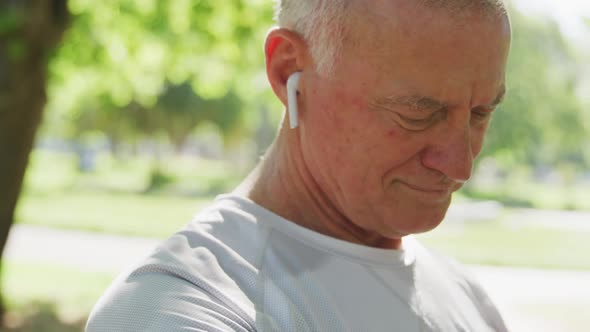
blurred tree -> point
(541, 121)
(29, 31)
(121, 55)
(179, 110)
(130, 52)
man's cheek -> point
(478, 138)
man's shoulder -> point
(201, 270)
(158, 298)
(440, 270)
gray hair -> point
(323, 23)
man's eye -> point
(417, 121)
(480, 116)
(423, 123)
(415, 124)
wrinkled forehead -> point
(379, 17)
(379, 25)
(450, 55)
(489, 8)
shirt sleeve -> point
(162, 302)
(487, 307)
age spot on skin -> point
(392, 134)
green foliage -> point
(136, 68)
(122, 61)
(541, 121)
(181, 110)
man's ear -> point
(285, 54)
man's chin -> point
(427, 227)
(424, 222)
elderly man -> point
(387, 106)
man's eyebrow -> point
(499, 98)
(417, 103)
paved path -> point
(539, 300)
(527, 298)
(83, 250)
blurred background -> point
(129, 115)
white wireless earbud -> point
(292, 107)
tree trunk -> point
(29, 31)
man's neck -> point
(284, 185)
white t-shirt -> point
(240, 267)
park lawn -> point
(52, 172)
(122, 214)
(525, 193)
(490, 243)
(500, 243)
(111, 200)
(50, 297)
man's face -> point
(394, 131)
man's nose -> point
(451, 154)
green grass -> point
(54, 295)
(111, 200)
(499, 243)
(527, 193)
(493, 243)
(124, 214)
(51, 172)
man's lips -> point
(429, 190)
(434, 190)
